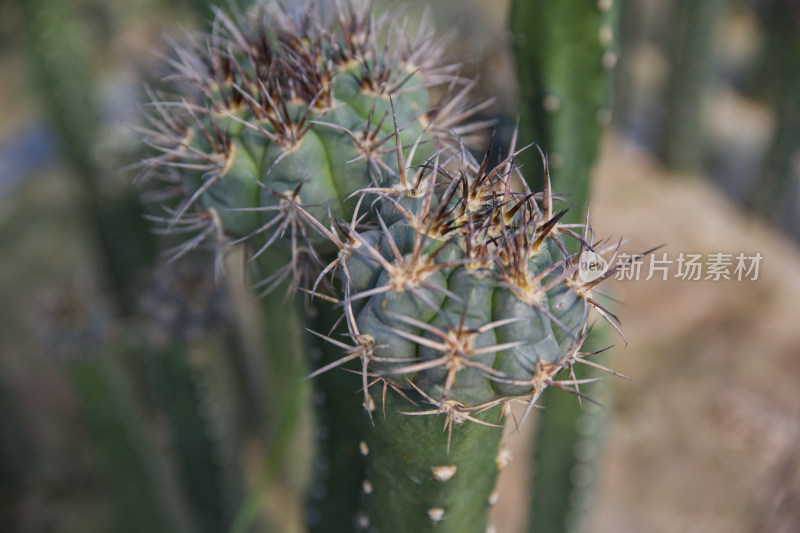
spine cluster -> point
(278, 114)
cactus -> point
(447, 283)
(691, 63)
(462, 300)
(275, 111)
(769, 193)
(59, 67)
(565, 53)
(127, 454)
(277, 120)
(190, 362)
(18, 452)
(568, 445)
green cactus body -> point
(446, 283)
(414, 484)
(196, 441)
(690, 55)
(567, 451)
(334, 495)
(196, 450)
(454, 307)
(18, 451)
(280, 119)
(459, 309)
(565, 54)
(189, 371)
(120, 434)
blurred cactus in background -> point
(62, 75)
(771, 194)
(691, 68)
(565, 53)
(191, 479)
(17, 457)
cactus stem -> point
(364, 349)
(456, 413)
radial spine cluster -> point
(278, 109)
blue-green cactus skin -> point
(412, 483)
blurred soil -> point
(699, 440)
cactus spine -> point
(446, 284)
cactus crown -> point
(462, 293)
(279, 109)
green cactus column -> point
(122, 438)
(565, 54)
(690, 54)
(414, 484)
(197, 440)
(18, 455)
(276, 375)
(334, 494)
(567, 452)
(456, 305)
(781, 23)
(59, 68)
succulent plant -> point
(283, 109)
(461, 300)
(444, 279)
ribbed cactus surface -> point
(279, 109)
(468, 295)
(462, 299)
(448, 283)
